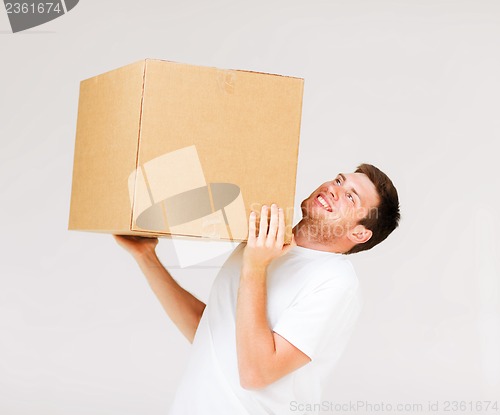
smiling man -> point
(278, 316)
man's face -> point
(335, 208)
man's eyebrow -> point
(352, 188)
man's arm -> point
(263, 356)
(183, 308)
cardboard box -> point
(166, 148)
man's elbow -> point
(253, 380)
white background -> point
(410, 86)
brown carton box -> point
(166, 148)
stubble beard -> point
(315, 226)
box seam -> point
(138, 143)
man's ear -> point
(359, 234)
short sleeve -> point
(315, 315)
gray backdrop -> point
(411, 86)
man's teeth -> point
(323, 202)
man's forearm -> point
(183, 308)
(254, 338)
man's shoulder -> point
(316, 272)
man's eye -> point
(349, 196)
(338, 182)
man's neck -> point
(304, 239)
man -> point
(278, 316)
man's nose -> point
(335, 191)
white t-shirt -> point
(312, 301)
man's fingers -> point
(263, 223)
(280, 238)
(273, 224)
(251, 227)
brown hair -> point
(384, 218)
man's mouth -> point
(322, 202)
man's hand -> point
(268, 243)
(137, 246)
